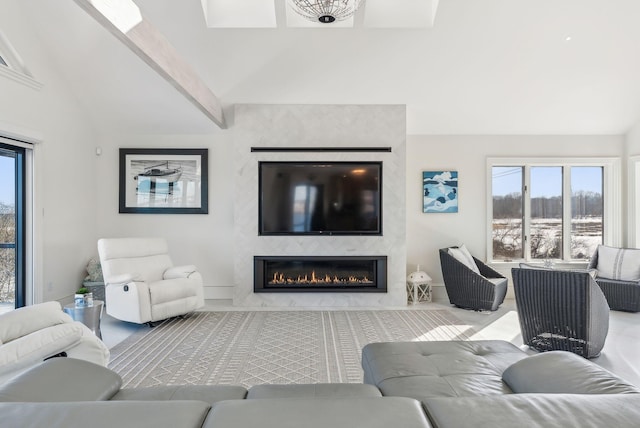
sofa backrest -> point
(105, 414)
(536, 411)
(144, 258)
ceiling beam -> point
(123, 19)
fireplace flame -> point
(281, 278)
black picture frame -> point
(163, 181)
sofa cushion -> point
(207, 393)
(563, 372)
(618, 263)
(343, 390)
(463, 255)
(434, 369)
(105, 414)
(536, 411)
(381, 412)
(62, 379)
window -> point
(545, 199)
(12, 227)
(507, 225)
(552, 210)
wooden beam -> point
(123, 19)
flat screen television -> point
(320, 198)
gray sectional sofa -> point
(417, 384)
(495, 384)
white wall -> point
(632, 146)
(426, 233)
(205, 240)
(65, 192)
(633, 140)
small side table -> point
(87, 315)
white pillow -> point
(464, 256)
(618, 263)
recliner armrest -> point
(176, 272)
(39, 345)
(28, 319)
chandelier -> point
(326, 11)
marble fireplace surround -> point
(328, 126)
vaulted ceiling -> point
(484, 67)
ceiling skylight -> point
(124, 14)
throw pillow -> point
(464, 256)
(619, 263)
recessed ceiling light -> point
(567, 39)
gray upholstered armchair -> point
(618, 276)
(470, 283)
(561, 310)
(141, 283)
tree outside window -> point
(533, 215)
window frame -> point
(612, 207)
(19, 244)
(30, 248)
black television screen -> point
(313, 198)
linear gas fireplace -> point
(320, 273)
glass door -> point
(12, 227)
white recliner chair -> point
(141, 283)
(34, 333)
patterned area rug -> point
(251, 348)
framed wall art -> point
(164, 181)
(440, 191)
